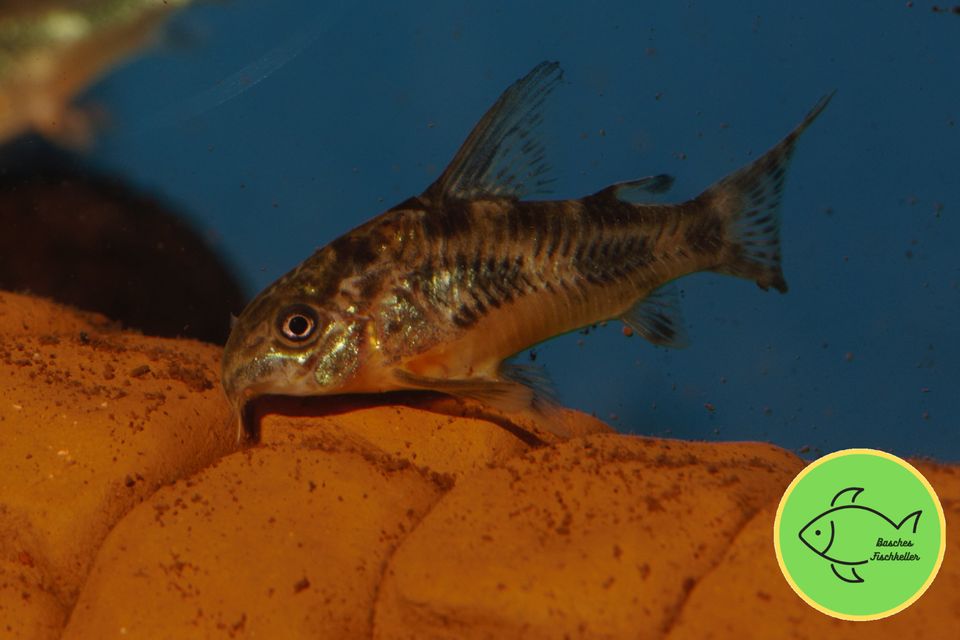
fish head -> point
(820, 533)
(291, 340)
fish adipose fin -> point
(503, 156)
(853, 576)
(657, 318)
(748, 201)
(915, 517)
(626, 191)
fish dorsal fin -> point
(627, 191)
(502, 156)
(853, 498)
(847, 574)
(915, 516)
(658, 319)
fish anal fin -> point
(847, 573)
(626, 191)
(915, 516)
(856, 491)
(503, 155)
(657, 318)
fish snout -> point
(240, 366)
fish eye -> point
(297, 323)
(817, 532)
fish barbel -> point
(439, 291)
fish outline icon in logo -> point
(846, 534)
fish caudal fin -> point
(748, 201)
(914, 518)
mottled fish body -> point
(50, 50)
(439, 291)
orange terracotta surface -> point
(127, 508)
(92, 422)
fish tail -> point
(748, 203)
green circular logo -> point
(860, 534)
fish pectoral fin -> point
(657, 318)
(854, 577)
(503, 394)
(520, 390)
(915, 516)
(625, 191)
(502, 156)
(516, 388)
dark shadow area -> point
(69, 233)
(338, 404)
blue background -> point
(283, 124)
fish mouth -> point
(244, 398)
(242, 404)
(247, 428)
(248, 425)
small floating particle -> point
(709, 407)
(848, 356)
(627, 331)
